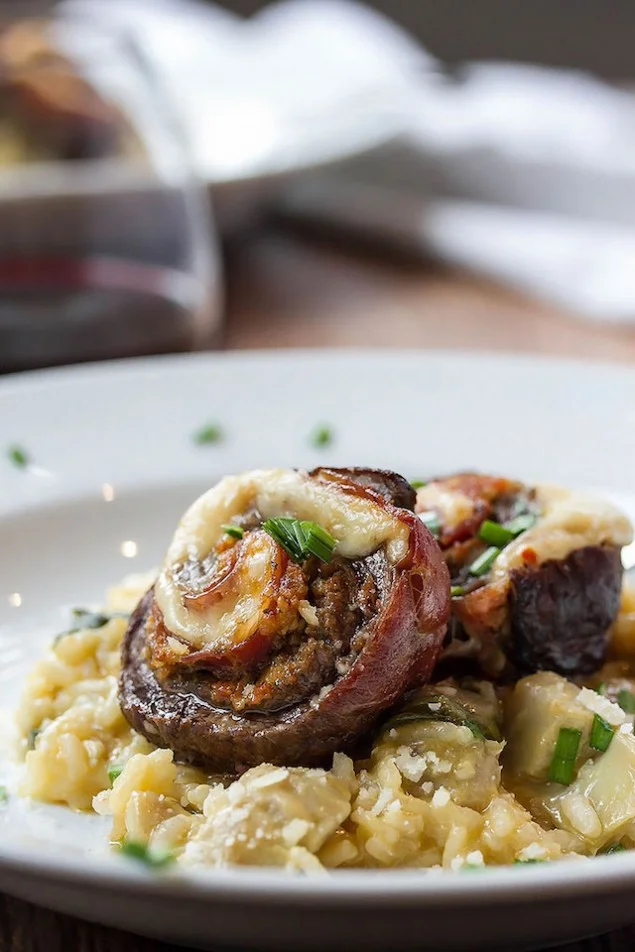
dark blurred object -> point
(29, 928)
(595, 35)
(47, 110)
(106, 247)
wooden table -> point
(285, 290)
(291, 290)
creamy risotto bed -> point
(471, 766)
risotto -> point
(468, 769)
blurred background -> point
(543, 32)
(180, 175)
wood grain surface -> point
(287, 290)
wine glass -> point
(107, 245)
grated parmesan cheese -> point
(606, 709)
(308, 612)
(532, 851)
(475, 858)
(441, 797)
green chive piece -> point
(4, 794)
(18, 456)
(456, 590)
(482, 564)
(431, 521)
(322, 435)
(521, 523)
(234, 531)
(144, 854)
(562, 768)
(301, 538)
(210, 433)
(601, 689)
(114, 771)
(319, 542)
(32, 737)
(614, 848)
(282, 530)
(527, 862)
(418, 483)
(601, 734)
(626, 700)
(495, 534)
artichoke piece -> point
(446, 737)
(600, 805)
(536, 710)
(476, 709)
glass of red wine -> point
(107, 245)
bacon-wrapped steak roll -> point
(292, 608)
(536, 572)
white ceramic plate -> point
(128, 426)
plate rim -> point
(147, 364)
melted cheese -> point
(359, 525)
(570, 520)
(235, 617)
(453, 506)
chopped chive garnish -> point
(284, 531)
(4, 794)
(527, 862)
(418, 483)
(562, 767)
(601, 689)
(484, 562)
(113, 772)
(234, 531)
(301, 539)
(319, 542)
(211, 433)
(144, 854)
(614, 848)
(626, 700)
(18, 456)
(431, 521)
(521, 523)
(32, 737)
(494, 533)
(322, 435)
(456, 590)
(601, 734)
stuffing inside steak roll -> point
(291, 609)
(536, 572)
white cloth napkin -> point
(296, 85)
(523, 174)
(520, 173)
